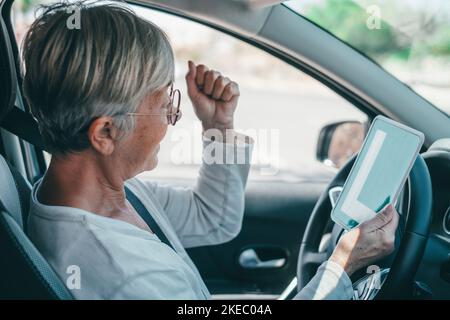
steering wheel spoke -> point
(316, 258)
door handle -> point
(249, 259)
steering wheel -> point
(395, 280)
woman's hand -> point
(367, 243)
(213, 96)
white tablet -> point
(379, 172)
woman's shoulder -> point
(106, 255)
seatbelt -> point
(146, 216)
(23, 125)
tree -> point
(348, 21)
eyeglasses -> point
(173, 112)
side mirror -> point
(339, 141)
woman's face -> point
(139, 149)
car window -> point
(282, 108)
(409, 38)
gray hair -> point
(104, 68)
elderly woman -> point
(103, 97)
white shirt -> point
(118, 260)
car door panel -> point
(276, 215)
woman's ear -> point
(103, 135)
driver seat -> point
(24, 273)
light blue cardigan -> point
(117, 260)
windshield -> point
(409, 38)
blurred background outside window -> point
(282, 108)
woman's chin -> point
(152, 163)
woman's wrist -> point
(212, 130)
(342, 261)
(217, 125)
